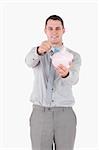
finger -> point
(60, 70)
(62, 67)
(45, 48)
(47, 43)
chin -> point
(54, 42)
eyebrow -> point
(58, 27)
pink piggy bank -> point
(63, 57)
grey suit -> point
(61, 94)
(53, 118)
(52, 124)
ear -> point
(63, 30)
(45, 30)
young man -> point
(53, 119)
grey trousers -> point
(52, 125)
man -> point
(53, 119)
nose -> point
(54, 32)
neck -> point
(57, 44)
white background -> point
(21, 28)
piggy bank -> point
(62, 57)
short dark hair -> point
(55, 17)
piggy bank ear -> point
(70, 64)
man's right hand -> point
(44, 47)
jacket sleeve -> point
(32, 59)
(73, 76)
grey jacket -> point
(62, 87)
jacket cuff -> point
(66, 75)
(38, 52)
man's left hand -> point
(62, 70)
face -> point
(54, 31)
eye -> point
(58, 28)
(50, 28)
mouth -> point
(54, 37)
